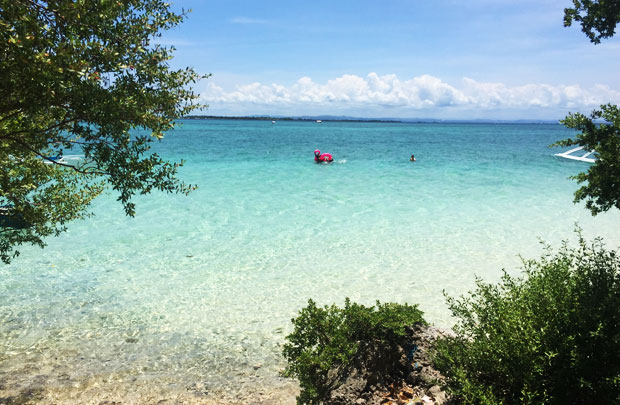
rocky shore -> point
(403, 377)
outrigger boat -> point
(63, 159)
(569, 154)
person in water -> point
(322, 157)
(412, 158)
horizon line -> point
(345, 118)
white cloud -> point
(494, 95)
(388, 92)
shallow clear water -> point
(201, 289)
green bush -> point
(551, 337)
(329, 337)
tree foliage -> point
(77, 76)
(598, 18)
(552, 337)
(328, 337)
(601, 190)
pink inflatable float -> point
(322, 157)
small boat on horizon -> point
(318, 121)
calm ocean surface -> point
(196, 293)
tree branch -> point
(25, 131)
(48, 159)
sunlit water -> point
(196, 293)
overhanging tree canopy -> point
(598, 18)
(77, 76)
(601, 191)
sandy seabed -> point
(31, 384)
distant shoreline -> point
(242, 118)
(370, 120)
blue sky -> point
(402, 58)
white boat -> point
(318, 121)
(569, 154)
(273, 122)
(70, 160)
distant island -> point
(344, 118)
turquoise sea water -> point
(196, 293)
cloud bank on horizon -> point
(421, 96)
(482, 59)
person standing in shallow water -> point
(412, 158)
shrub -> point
(552, 336)
(329, 337)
